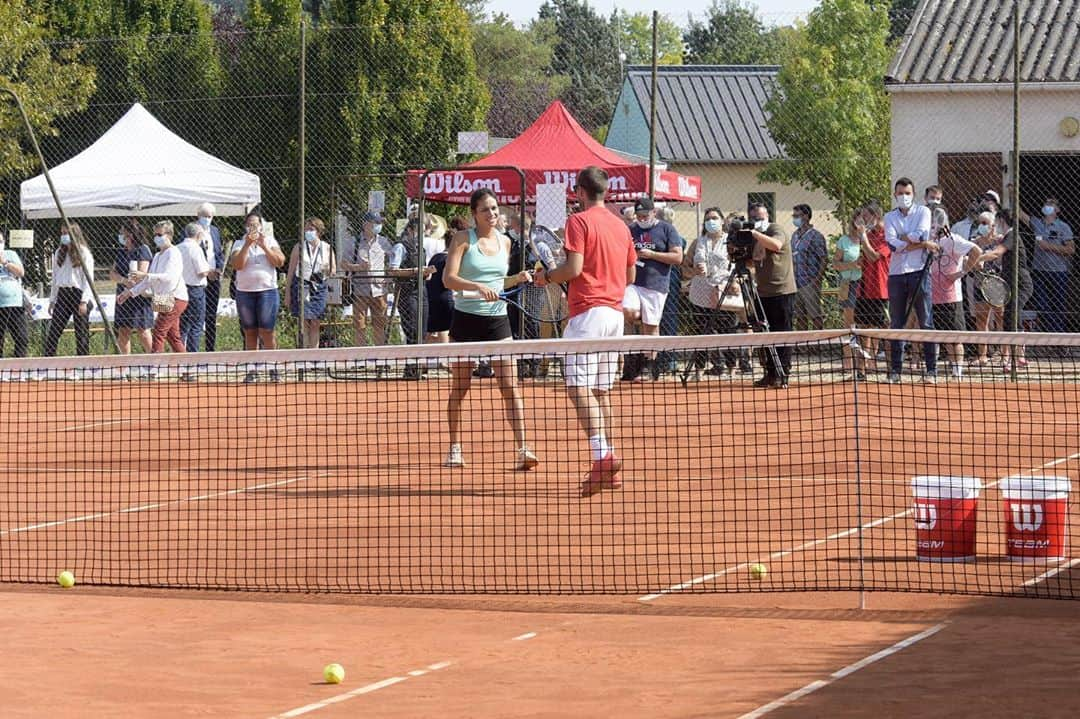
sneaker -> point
(766, 381)
(604, 474)
(744, 367)
(526, 459)
(275, 376)
(929, 378)
(251, 377)
(893, 378)
(860, 376)
(483, 370)
(454, 458)
(187, 377)
(654, 369)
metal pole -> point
(1015, 200)
(652, 107)
(303, 151)
(63, 216)
(420, 295)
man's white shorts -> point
(649, 303)
(596, 370)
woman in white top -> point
(256, 259)
(317, 265)
(710, 272)
(70, 295)
(165, 283)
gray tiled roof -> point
(971, 41)
(709, 113)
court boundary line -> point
(159, 505)
(674, 588)
(359, 691)
(839, 674)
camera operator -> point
(776, 287)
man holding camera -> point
(775, 281)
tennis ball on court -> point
(66, 579)
(334, 673)
(758, 571)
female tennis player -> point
(477, 262)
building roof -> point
(971, 41)
(708, 113)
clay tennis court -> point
(337, 487)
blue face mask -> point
(65, 239)
(159, 241)
(797, 221)
(376, 229)
(983, 230)
(204, 221)
(713, 225)
(121, 240)
(310, 235)
(1048, 210)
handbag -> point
(163, 303)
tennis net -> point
(324, 470)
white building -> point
(951, 84)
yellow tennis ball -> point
(66, 579)
(758, 571)
(334, 673)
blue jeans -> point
(1051, 299)
(191, 322)
(902, 288)
(257, 310)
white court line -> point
(99, 424)
(366, 689)
(839, 535)
(156, 505)
(841, 673)
(1051, 572)
(523, 637)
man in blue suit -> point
(216, 259)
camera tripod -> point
(754, 312)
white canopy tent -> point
(140, 167)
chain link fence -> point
(827, 117)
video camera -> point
(740, 239)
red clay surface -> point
(338, 486)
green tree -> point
(51, 81)
(586, 51)
(732, 34)
(829, 111)
(514, 65)
(635, 38)
(404, 76)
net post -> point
(302, 141)
(858, 488)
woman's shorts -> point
(257, 310)
(467, 327)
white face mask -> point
(310, 235)
(121, 240)
(905, 201)
(761, 225)
(983, 230)
(159, 241)
(647, 223)
(376, 229)
(713, 225)
(65, 239)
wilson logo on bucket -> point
(925, 516)
(1027, 517)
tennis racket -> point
(543, 304)
(993, 287)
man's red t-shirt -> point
(603, 240)
(874, 284)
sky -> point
(771, 11)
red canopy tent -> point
(552, 150)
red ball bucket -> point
(1036, 517)
(946, 513)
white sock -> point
(599, 447)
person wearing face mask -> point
(907, 230)
(957, 257)
(164, 279)
(810, 254)
(256, 259)
(933, 197)
(710, 269)
(211, 246)
(1054, 248)
(196, 269)
(775, 280)
(872, 293)
(1001, 252)
(70, 294)
(659, 247)
(365, 257)
(134, 316)
(987, 317)
(12, 313)
(310, 271)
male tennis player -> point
(599, 265)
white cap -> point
(991, 193)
